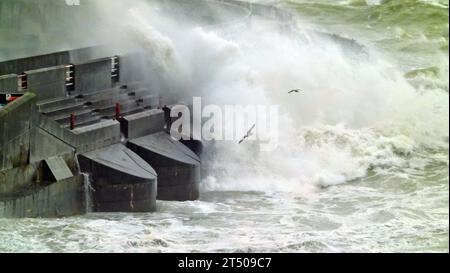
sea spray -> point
(356, 114)
(256, 202)
(157, 47)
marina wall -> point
(117, 145)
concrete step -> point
(54, 103)
(105, 102)
(125, 109)
(151, 101)
(64, 110)
(102, 94)
(142, 92)
(65, 118)
(132, 86)
(124, 101)
(85, 121)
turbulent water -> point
(362, 163)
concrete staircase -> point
(81, 126)
(90, 108)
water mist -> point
(357, 112)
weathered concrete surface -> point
(143, 123)
(52, 103)
(58, 168)
(121, 177)
(93, 75)
(8, 84)
(26, 179)
(131, 68)
(54, 129)
(47, 82)
(84, 139)
(16, 121)
(14, 182)
(96, 136)
(79, 55)
(30, 63)
(122, 181)
(178, 168)
(45, 145)
(61, 199)
(22, 141)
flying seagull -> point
(294, 91)
(249, 133)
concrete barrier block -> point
(46, 75)
(178, 168)
(53, 59)
(47, 82)
(124, 192)
(96, 136)
(35, 62)
(116, 165)
(93, 75)
(144, 123)
(121, 179)
(48, 91)
(179, 192)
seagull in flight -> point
(294, 91)
(249, 133)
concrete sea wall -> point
(16, 122)
(62, 199)
(121, 179)
(105, 132)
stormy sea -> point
(362, 161)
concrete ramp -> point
(122, 181)
(177, 166)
